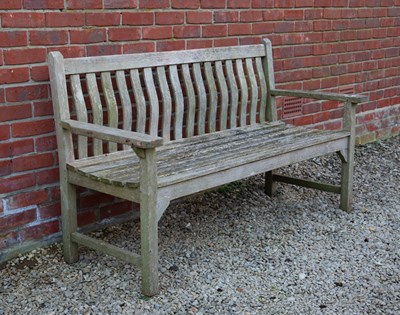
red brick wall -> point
(319, 44)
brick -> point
(18, 219)
(88, 36)
(27, 93)
(15, 112)
(24, 56)
(223, 42)
(46, 143)
(138, 48)
(303, 120)
(189, 31)
(284, 27)
(196, 44)
(137, 18)
(43, 4)
(69, 51)
(251, 16)
(5, 152)
(304, 3)
(2, 96)
(86, 217)
(39, 231)
(103, 19)
(311, 108)
(19, 147)
(48, 176)
(84, 4)
(212, 4)
(284, 4)
(184, 4)
(8, 239)
(32, 128)
(13, 38)
(13, 75)
(169, 18)
(170, 45)
(48, 211)
(157, 32)
(40, 73)
(226, 16)
(115, 209)
(124, 33)
(239, 29)
(10, 4)
(199, 17)
(23, 20)
(31, 162)
(64, 19)
(4, 132)
(320, 117)
(6, 167)
(154, 4)
(15, 183)
(120, 4)
(239, 4)
(90, 200)
(262, 28)
(262, 4)
(27, 199)
(102, 50)
(214, 30)
(273, 15)
(48, 38)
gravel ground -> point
(236, 251)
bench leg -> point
(270, 184)
(69, 221)
(346, 189)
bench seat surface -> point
(189, 158)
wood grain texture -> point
(166, 103)
(97, 109)
(111, 103)
(139, 101)
(125, 101)
(212, 97)
(191, 101)
(244, 94)
(153, 99)
(201, 92)
(233, 94)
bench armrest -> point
(354, 98)
(105, 133)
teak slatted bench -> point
(154, 127)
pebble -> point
(237, 251)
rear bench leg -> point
(346, 185)
(69, 221)
(148, 221)
(270, 184)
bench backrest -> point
(174, 95)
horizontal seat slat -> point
(195, 157)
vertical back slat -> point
(202, 98)
(233, 93)
(269, 72)
(126, 102)
(111, 104)
(154, 105)
(191, 108)
(139, 100)
(212, 94)
(81, 112)
(166, 103)
(263, 89)
(223, 89)
(97, 109)
(178, 100)
(253, 90)
(243, 91)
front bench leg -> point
(270, 184)
(148, 221)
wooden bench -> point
(154, 127)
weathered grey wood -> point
(306, 183)
(178, 101)
(81, 112)
(112, 134)
(148, 222)
(243, 92)
(223, 90)
(111, 103)
(126, 102)
(212, 97)
(202, 96)
(233, 94)
(268, 65)
(119, 62)
(97, 109)
(166, 103)
(139, 101)
(66, 155)
(270, 185)
(355, 98)
(191, 108)
(154, 105)
(106, 248)
(263, 90)
(253, 91)
(349, 124)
